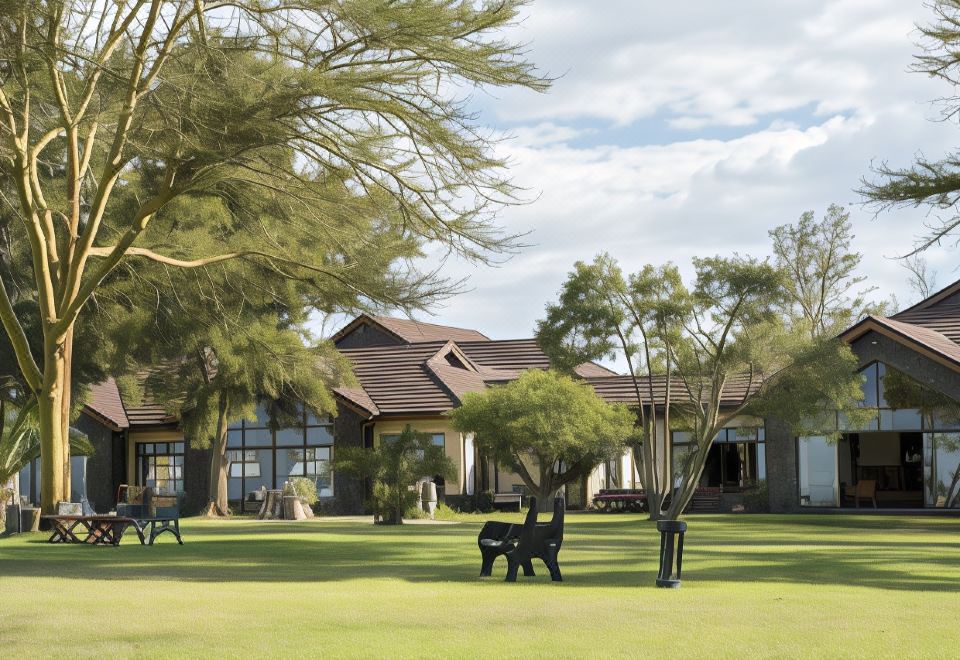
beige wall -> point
(453, 444)
(146, 436)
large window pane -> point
(900, 420)
(258, 470)
(290, 437)
(258, 438)
(320, 435)
(869, 387)
(290, 463)
(942, 470)
(818, 471)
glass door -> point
(819, 479)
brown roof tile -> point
(926, 339)
(620, 389)
(105, 402)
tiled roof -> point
(518, 354)
(149, 414)
(397, 380)
(358, 397)
(944, 318)
(620, 389)
(410, 331)
(926, 339)
(105, 402)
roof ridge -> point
(934, 298)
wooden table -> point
(95, 530)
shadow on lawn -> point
(596, 553)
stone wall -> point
(781, 467)
(196, 478)
(349, 492)
(105, 467)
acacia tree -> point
(931, 183)
(546, 427)
(601, 313)
(185, 100)
(822, 287)
(726, 346)
(228, 371)
(394, 466)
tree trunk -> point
(52, 440)
(66, 403)
(218, 504)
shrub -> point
(305, 489)
(415, 513)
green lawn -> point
(757, 586)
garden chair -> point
(538, 541)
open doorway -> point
(887, 466)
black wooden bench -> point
(500, 538)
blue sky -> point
(685, 129)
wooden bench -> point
(95, 529)
(620, 500)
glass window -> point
(289, 463)
(439, 439)
(290, 437)
(258, 470)
(160, 466)
(869, 387)
(234, 438)
(941, 470)
(818, 471)
(900, 420)
(320, 435)
(257, 437)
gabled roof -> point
(924, 340)
(409, 331)
(397, 380)
(106, 404)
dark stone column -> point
(781, 467)
(196, 478)
(348, 491)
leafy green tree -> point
(394, 466)
(546, 427)
(602, 313)
(821, 283)
(227, 372)
(933, 183)
(119, 117)
(724, 344)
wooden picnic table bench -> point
(95, 529)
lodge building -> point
(410, 372)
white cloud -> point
(692, 129)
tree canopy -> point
(723, 348)
(933, 183)
(546, 427)
(139, 131)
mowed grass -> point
(754, 586)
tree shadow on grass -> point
(607, 553)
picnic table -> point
(95, 529)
